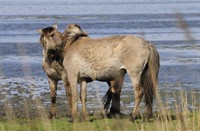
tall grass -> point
(179, 118)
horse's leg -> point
(83, 94)
(116, 86)
(148, 101)
(138, 94)
(149, 79)
(113, 94)
(68, 94)
(74, 94)
(147, 85)
(53, 88)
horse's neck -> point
(54, 57)
(71, 40)
(60, 56)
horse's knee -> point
(53, 99)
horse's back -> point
(108, 50)
(110, 44)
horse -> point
(109, 59)
(113, 93)
(52, 63)
(51, 40)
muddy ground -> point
(28, 109)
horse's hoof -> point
(147, 117)
(83, 119)
(51, 115)
(132, 119)
(109, 115)
(117, 115)
(91, 113)
(68, 115)
(71, 120)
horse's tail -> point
(149, 78)
(107, 99)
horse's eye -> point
(52, 35)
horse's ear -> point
(85, 33)
(40, 31)
(55, 26)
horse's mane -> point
(72, 33)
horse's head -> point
(51, 38)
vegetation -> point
(179, 118)
(180, 122)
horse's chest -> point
(53, 70)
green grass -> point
(179, 121)
(177, 118)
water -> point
(21, 73)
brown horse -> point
(51, 40)
(52, 63)
(109, 59)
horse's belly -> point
(107, 74)
(102, 75)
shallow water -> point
(21, 73)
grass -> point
(169, 122)
(177, 118)
(99, 125)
